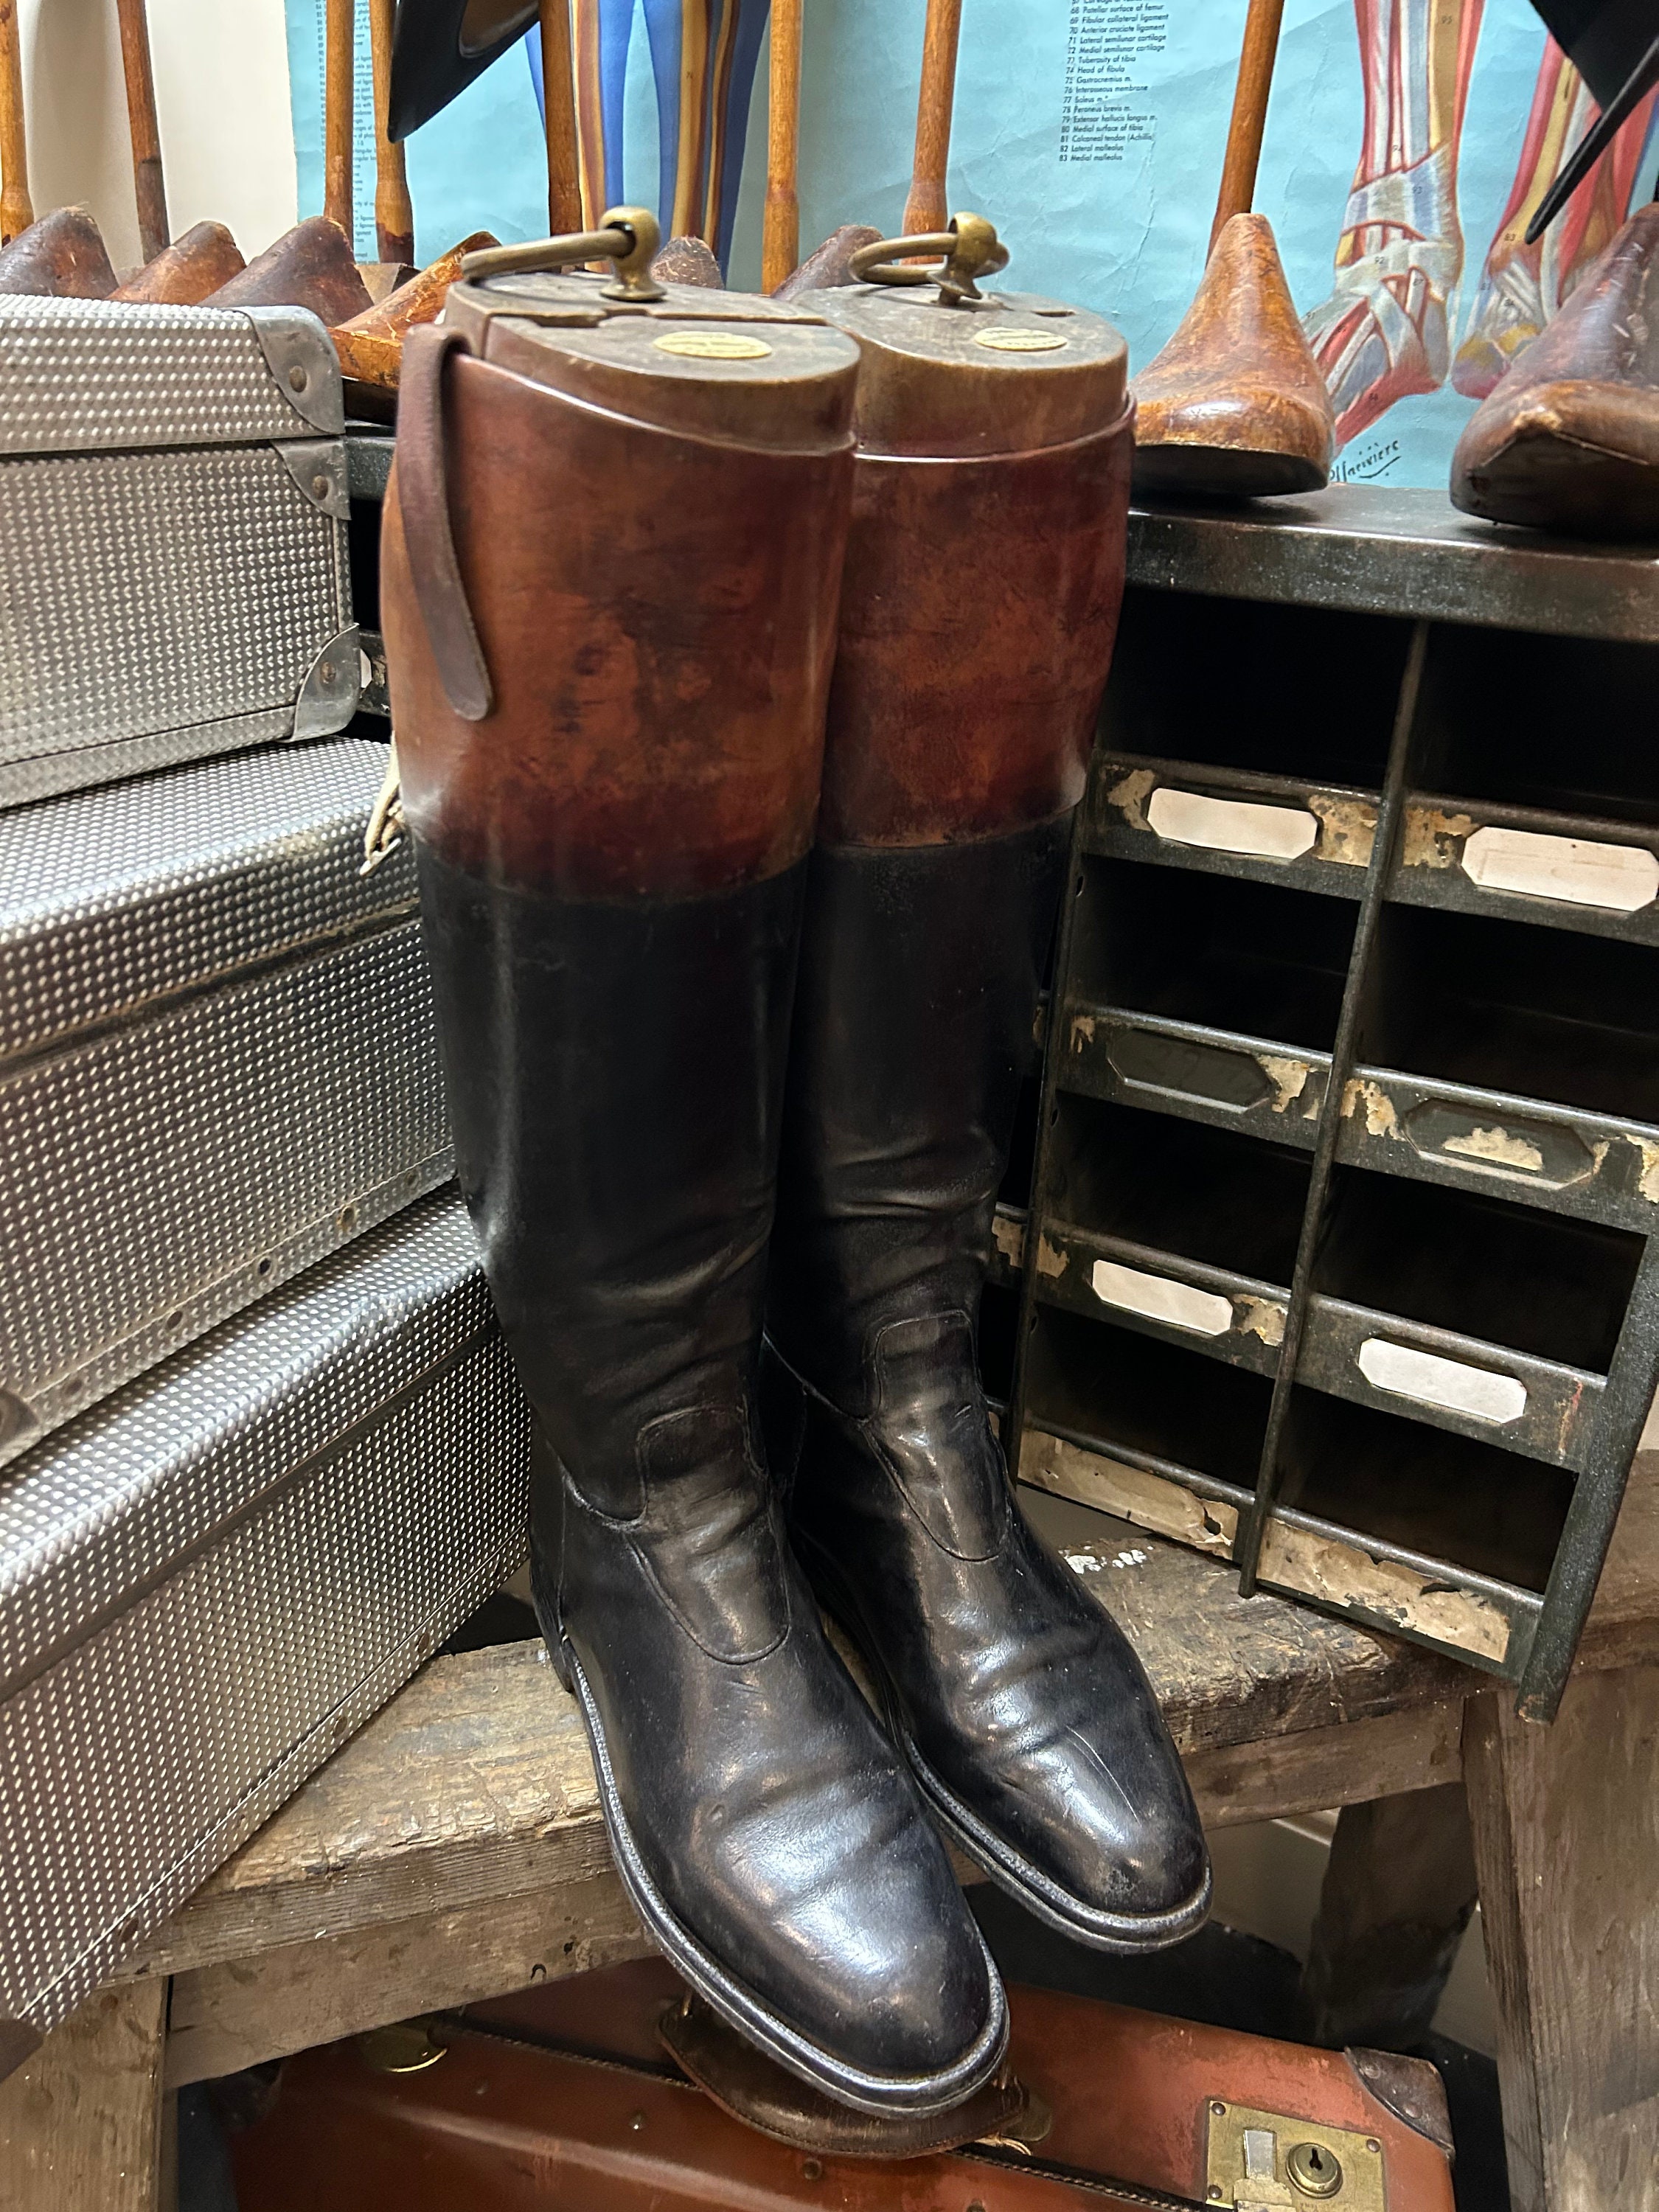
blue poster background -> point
(1104, 197)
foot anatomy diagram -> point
(1385, 333)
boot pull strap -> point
(423, 504)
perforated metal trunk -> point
(208, 1583)
(217, 1061)
(172, 513)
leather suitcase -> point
(173, 534)
(562, 2099)
(216, 1059)
(210, 1582)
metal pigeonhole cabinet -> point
(1342, 1259)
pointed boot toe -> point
(1018, 1703)
(1069, 1793)
(765, 1831)
(885, 1966)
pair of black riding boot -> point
(732, 1107)
(625, 1077)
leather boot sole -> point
(1117, 1932)
(919, 2094)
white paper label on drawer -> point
(1232, 825)
(1621, 877)
(1476, 1392)
(1155, 1297)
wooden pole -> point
(148, 187)
(1249, 115)
(926, 209)
(394, 215)
(585, 38)
(16, 209)
(694, 27)
(564, 191)
(781, 229)
(726, 47)
(340, 29)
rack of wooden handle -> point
(1342, 1261)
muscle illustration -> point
(1382, 334)
(1521, 285)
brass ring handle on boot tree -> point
(628, 238)
(969, 248)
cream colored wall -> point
(222, 102)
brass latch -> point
(1266, 2162)
(969, 248)
(628, 238)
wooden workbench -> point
(454, 1850)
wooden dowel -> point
(564, 191)
(1249, 115)
(694, 28)
(926, 208)
(340, 31)
(16, 209)
(781, 228)
(394, 212)
(149, 186)
(726, 48)
(586, 39)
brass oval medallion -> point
(1018, 341)
(712, 345)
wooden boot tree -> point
(1235, 407)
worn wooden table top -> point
(476, 1780)
(455, 1847)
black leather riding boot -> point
(977, 614)
(611, 878)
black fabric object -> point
(1614, 46)
(614, 1073)
(1017, 1702)
(438, 47)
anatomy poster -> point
(1407, 142)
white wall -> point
(221, 101)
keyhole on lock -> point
(1314, 2170)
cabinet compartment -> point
(1539, 1283)
(1529, 1010)
(1250, 957)
(1443, 1497)
(1561, 724)
(1111, 1388)
(1285, 690)
(1178, 1187)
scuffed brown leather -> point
(1235, 403)
(309, 266)
(423, 497)
(189, 269)
(371, 346)
(829, 264)
(1569, 438)
(978, 608)
(657, 611)
(62, 255)
(688, 261)
(1130, 2094)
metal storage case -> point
(172, 511)
(1343, 1260)
(208, 1584)
(217, 1060)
